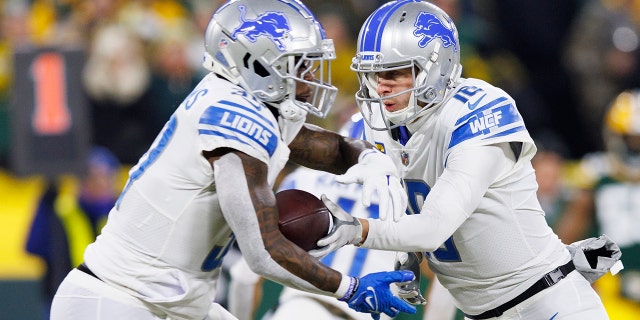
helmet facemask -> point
(370, 102)
(312, 70)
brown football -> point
(304, 219)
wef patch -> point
(487, 121)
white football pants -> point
(83, 297)
(572, 298)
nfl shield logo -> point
(404, 156)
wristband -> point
(343, 288)
(350, 290)
(367, 152)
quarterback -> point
(207, 181)
(463, 153)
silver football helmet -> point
(266, 47)
(406, 34)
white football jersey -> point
(166, 237)
(505, 244)
(349, 260)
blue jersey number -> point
(152, 155)
(215, 256)
(161, 142)
(417, 191)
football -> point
(304, 219)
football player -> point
(608, 202)
(296, 304)
(206, 181)
(464, 155)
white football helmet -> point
(622, 132)
(402, 34)
(266, 47)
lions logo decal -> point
(429, 27)
(273, 25)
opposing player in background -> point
(296, 304)
(464, 155)
(207, 180)
(608, 202)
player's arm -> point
(458, 191)
(358, 162)
(325, 150)
(239, 177)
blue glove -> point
(373, 295)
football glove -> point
(372, 294)
(377, 173)
(346, 230)
(594, 257)
(410, 291)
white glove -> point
(377, 172)
(346, 230)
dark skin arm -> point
(281, 250)
(325, 150)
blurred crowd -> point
(564, 62)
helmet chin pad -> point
(399, 116)
(291, 111)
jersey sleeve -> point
(484, 115)
(239, 124)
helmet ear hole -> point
(257, 67)
(260, 69)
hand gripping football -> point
(304, 219)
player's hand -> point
(377, 173)
(346, 230)
(410, 291)
(374, 296)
